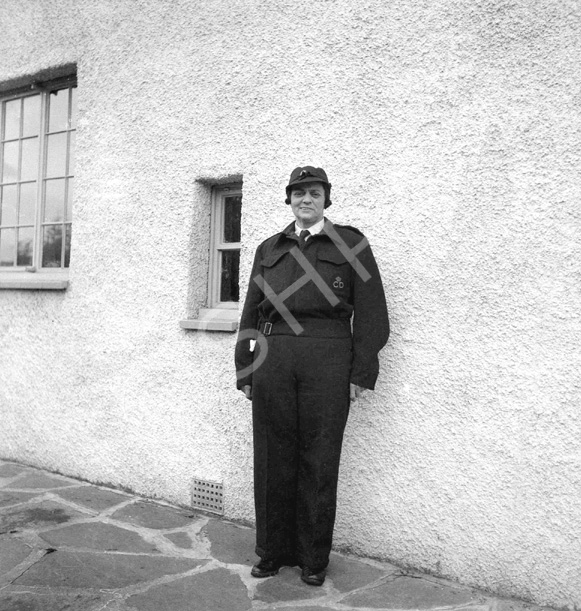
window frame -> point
(217, 245)
(34, 276)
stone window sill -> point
(49, 281)
(213, 319)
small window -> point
(37, 167)
(224, 285)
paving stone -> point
(152, 515)
(349, 574)
(117, 605)
(287, 585)
(40, 480)
(101, 571)
(13, 498)
(302, 608)
(11, 469)
(13, 553)
(180, 539)
(405, 592)
(98, 536)
(36, 516)
(93, 498)
(508, 604)
(230, 543)
(218, 590)
(11, 600)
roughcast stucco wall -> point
(451, 133)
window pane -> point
(7, 247)
(52, 245)
(27, 203)
(58, 110)
(25, 237)
(29, 169)
(232, 212)
(31, 122)
(74, 108)
(229, 287)
(12, 120)
(56, 155)
(54, 200)
(10, 165)
(72, 143)
(69, 210)
(68, 245)
(8, 205)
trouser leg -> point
(323, 406)
(300, 408)
(274, 411)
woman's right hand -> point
(247, 390)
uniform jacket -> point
(361, 301)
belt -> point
(312, 327)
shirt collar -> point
(314, 230)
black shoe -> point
(313, 577)
(265, 568)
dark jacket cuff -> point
(365, 376)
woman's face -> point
(308, 203)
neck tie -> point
(303, 238)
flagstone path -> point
(69, 545)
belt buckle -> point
(267, 328)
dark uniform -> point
(300, 393)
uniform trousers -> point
(300, 405)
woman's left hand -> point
(354, 392)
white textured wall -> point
(451, 133)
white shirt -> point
(316, 228)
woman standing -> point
(316, 304)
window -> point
(37, 159)
(224, 287)
(221, 313)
